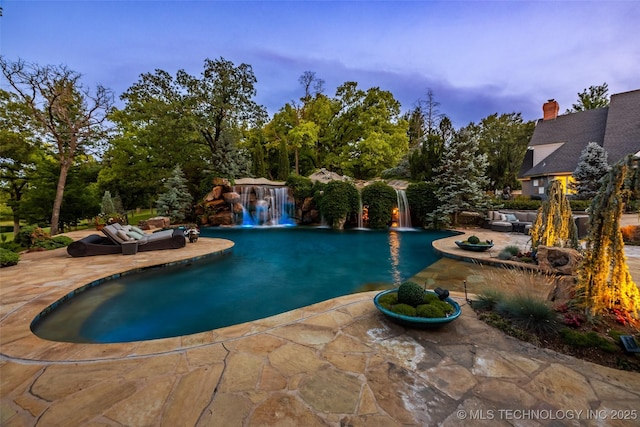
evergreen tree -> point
(591, 167)
(459, 180)
(175, 202)
(258, 167)
(283, 161)
(554, 224)
(107, 205)
(604, 273)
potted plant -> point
(473, 243)
(99, 221)
(413, 306)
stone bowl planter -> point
(417, 322)
(475, 247)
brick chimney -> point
(550, 109)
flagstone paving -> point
(336, 363)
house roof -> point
(616, 128)
(622, 135)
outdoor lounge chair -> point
(120, 239)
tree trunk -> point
(57, 204)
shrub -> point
(404, 309)
(579, 205)
(24, 238)
(512, 249)
(429, 310)
(504, 255)
(380, 198)
(339, 199)
(474, 240)
(12, 246)
(422, 201)
(53, 243)
(8, 258)
(520, 203)
(530, 313)
(301, 186)
(411, 293)
(488, 299)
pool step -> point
(630, 344)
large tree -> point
(589, 99)
(221, 103)
(504, 139)
(18, 152)
(69, 114)
(368, 133)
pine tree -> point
(604, 273)
(554, 224)
(107, 205)
(283, 161)
(459, 180)
(258, 166)
(591, 167)
(175, 202)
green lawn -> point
(133, 216)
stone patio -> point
(337, 363)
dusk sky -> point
(478, 57)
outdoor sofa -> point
(520, 221)
(126, 240)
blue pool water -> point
(269, 271)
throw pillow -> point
(134, 235)
(123, 235)
(511, 218)
(137, 230)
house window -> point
(535, 182)
(540, 190)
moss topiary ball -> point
(404, 309)
(410, 293)
(474, 240)
(444, 306)
(429, 310)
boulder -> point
(231, 197)
(558, 260)
(222, 218)
(221, 181)
(215, 204)
(155, 222)
(216, 193)
(237, 208)
(564, 289)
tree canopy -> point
(592, 98)
(68, 114)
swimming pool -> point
(269, 271)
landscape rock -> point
(559, 260)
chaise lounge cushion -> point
(113, 244)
